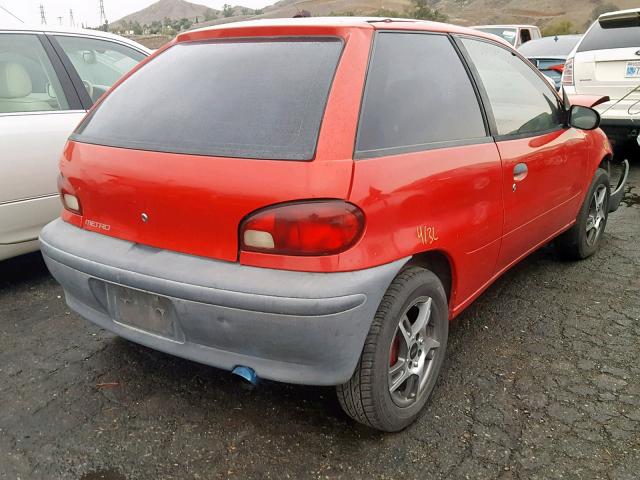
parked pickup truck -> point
(514, 35)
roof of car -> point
(552, 46)
(374, 23)
(619, 12)
(24, 27)
(514, 25)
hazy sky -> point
(88, 11)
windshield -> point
(261, 98)
(508, 34)
(598, 38)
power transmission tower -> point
(103, 16)
(72, 23)
(43, 19)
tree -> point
(386, 13)
(227, 10)
(182, 24)
(155, 27)
(558, 28)
(258, 11)
(210, 14)
(420, 9)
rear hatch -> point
(207, 132)
(607, 61)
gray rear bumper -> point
(289, 326)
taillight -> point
(70, 200)
(567, 73)
(315, 227)
(557, 68)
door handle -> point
(520, 172)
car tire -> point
(583, 239)
(389, 354)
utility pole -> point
(43, 19)
(103, 16)
(72, 23)
(60, 20)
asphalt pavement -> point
(542, 381)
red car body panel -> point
(449, 202)
(457, 201)
(588, 100)
(546, 201)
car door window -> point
(99, 63)
(525, 36)
(28, 82)
(522, 103)
(416, 94)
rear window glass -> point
(240, 98)
(598, 38)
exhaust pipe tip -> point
(246, 373)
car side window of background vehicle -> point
(522, 102)
(417, 90)
(99, 63)
(28, 82)
(42, 99)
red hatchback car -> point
(312, 200)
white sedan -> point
(49, 78)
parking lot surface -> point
(542, 381)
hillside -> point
(464, 12)
(173, 9)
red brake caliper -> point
(395, 347)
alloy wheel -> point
(596, 215)
(411, 354)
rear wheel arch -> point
(440, 264)
(605, 164)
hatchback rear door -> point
(204, 134)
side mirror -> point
(583, 118)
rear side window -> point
(417, 95)
(260, 98)
(598, 38)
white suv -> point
(606, 62)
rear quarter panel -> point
(448, 200)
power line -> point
(19, 19)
